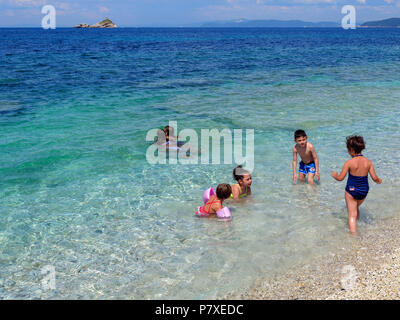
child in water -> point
(309, 164)
(357, 184)
(214, 204)
(167, 140)
(169, 133)
(172, 140)
(243, 187)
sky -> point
(168, 13)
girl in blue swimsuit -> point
(357, 184)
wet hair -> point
(169, 130)
(355, 143)
(299, 133)
(239, 172)
(224, 191)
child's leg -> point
(310, 178)
(359, 202)
(351, 204)
(302, 177)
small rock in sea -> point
(82, 25)
(106, 23)
(99, 231)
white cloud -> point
(313, 1)
(104, 9)
(362, 1)
(27, 3)
(233, 3)
(263, 11)
(62, 5)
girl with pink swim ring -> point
(213, 202)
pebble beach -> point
(367, 270)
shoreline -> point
(368, 269)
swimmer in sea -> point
(242, 188)
(166, 140)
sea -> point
(85, 215)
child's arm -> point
(294, 164)
(248, 191)
(374, 175)
(235, 192)
(314, 154)
(342, 175)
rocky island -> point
(387, 23)
(106, 23)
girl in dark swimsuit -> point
(357, 184)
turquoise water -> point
(78, 194)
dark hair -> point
(355, 143)
(239, 172)
(169, 129)
(224, 191)
(299, 133)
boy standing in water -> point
(309, 164)
(357, 184)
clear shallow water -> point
(76, 190)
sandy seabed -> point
(367, 269)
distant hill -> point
(244, 23)
(388, 23)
